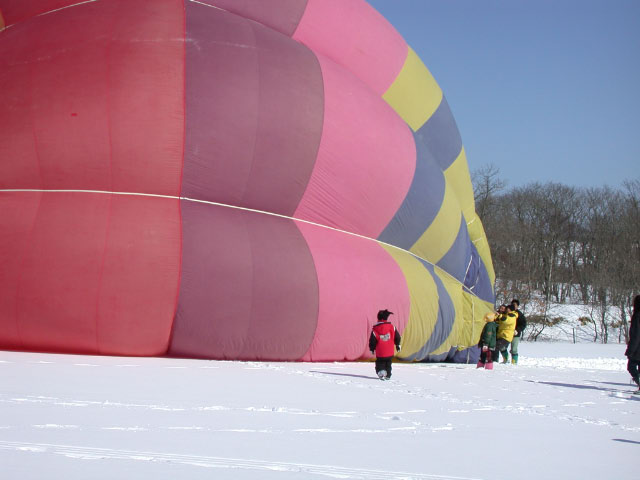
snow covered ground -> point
(564, 412)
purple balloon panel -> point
(254, 113)
(249, 288)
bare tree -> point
(552, 243)
(487, 184)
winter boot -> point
(505, 357)
(488, 366)
(480, 364)
(514, 359)
(382, 374)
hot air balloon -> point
(229, 179)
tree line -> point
(556, 244)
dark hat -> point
(384, 314)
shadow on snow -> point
(625, 441)
(588, 387)
(345, 375)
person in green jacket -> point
(488, 341)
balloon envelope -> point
(229, 180)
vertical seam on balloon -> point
(101, 277)
(22, 262)
(110, 40)
(310, 349)
(179, 201)
(35, 146)
(309, 181)
(184, 93)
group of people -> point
(502, 328)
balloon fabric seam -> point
(173, 197)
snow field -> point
(565, 411)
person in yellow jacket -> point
(506, 330)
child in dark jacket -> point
(381, 342)
(488, 341)
(633, 348)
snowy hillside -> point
(565, 412)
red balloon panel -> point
(97, 98)
(95, 273)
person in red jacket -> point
(384, 336)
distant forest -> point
(556, 244)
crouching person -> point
(384, 337)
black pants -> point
(495, 355)
(632, 368)
(384, 363)
(501, 346)
(486, 357)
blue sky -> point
(547, 90)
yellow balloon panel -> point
(414, 94)
(435, 242)
(423, 295)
